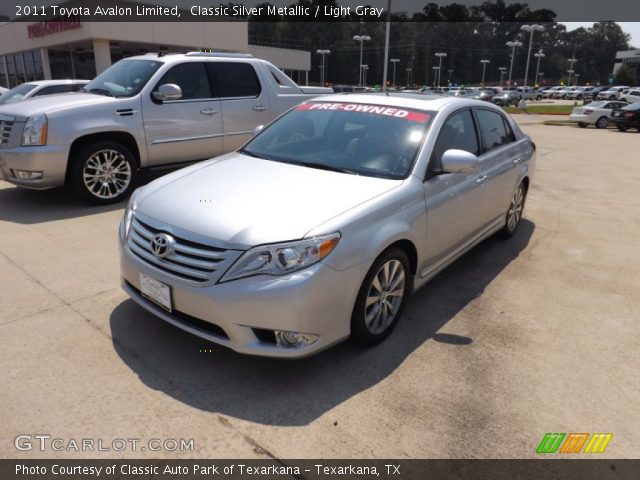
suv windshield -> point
(124, 78)
(16, 94)
(360, 139)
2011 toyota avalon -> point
(320, 227)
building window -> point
(76, 64)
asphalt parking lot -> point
(518, 338)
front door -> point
(187, 129)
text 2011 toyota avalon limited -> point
(320, 227)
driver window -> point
(458, 132)
(192, 79)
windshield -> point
(632, 106)
(123, 79)
(16, 94)
(351, 138)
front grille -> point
(6, 127)
(190, 261)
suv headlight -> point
(128, 216)
(35, 131)
(282, 258)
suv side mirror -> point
(458, 161)
(257, 130)
(168, 91)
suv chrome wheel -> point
(107, 174)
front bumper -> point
(51, 160)
(318, 300)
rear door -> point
(244, 103)
(187, 129)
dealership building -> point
(631, 58)
(76, 49)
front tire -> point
(381, 299)
(514, 213)
(103, 173)
(602, 122)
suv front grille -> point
(193, 262)
(5, 131)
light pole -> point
(571, 70)
(513, 46)
(503, 70)
(530, 29)
(539, 55)
(436, 74)
(450, 71)
(440, 55)
(364, 74)
(540, 75)
(577, 75)
(408, 75)
(484, 66)
(361, 39)
(323, 53)
(394, 61)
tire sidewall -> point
(506, 232)
(78, 164)
(360, 334)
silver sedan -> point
(323, 224)
(595, 113)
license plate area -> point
(156, 291)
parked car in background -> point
(507, 97)
(485, 94)
(40, 88)
(287, 272)
(551, 91)
(632, 96)
(595, 93)
(3, 90)
(529, 93)
(627, 117)
(348, 89)
(147, 111)
(612, 93)
(580, 93)
(596, 113)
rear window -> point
(235, 79)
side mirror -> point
(168, 91)
(458, 161)
(257, 130)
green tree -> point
(625, 75)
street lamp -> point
(577, 75)
(394, 61)
(323, 53)
(361, 39)
(436, 74)
(539, 55)
(484, 65)
(364, 74)
(571, 70)
(513, 46)
(408, 76)
(540, 75)
(503, 70)
(530, 29)
(440, 55)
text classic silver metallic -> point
(320, 227)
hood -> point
(53, 103)
(244, 201)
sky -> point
(632, 28)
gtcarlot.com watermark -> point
(43, 442)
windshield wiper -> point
(99, 91)
(322, 166)
(252, 154)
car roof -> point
(417, 101)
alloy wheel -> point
(515, 209)
(106, 174)
(385, 296)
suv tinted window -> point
(235, 79)
(458, 132)
(492, 129)
(191, 78)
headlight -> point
(128, 215)
(35, 131)
(282, 258)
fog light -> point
(27, 175)
(294, 339)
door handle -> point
(259, 108)
(208, 111)
(517, 161)
(481, 179)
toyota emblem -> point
(162, 245)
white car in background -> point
(39, 89)
(613, 93)
(631, 96)
(3, 90)
(595, 113)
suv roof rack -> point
(219, 54)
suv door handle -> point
(208, 111)
(259, 108)
(481, 179)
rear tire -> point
(582, 125)
(514, 213)
(381, 299)
(602, 122)
(103, 172)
